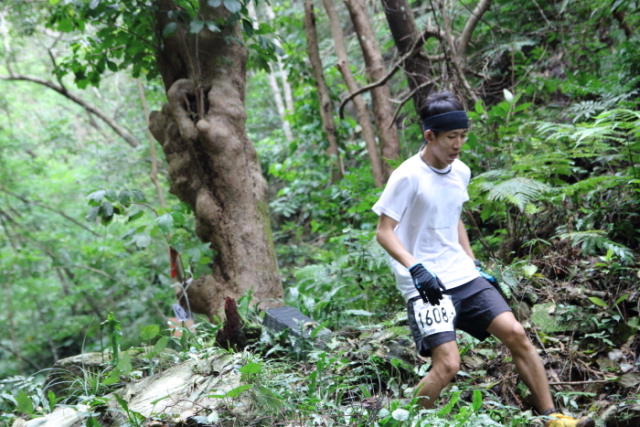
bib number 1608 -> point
(432, 319)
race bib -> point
(432, 319)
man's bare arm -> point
(390, 242)
(463, 239)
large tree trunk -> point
(326, 108)
(361, 107)
(212, 165)
(380, 95)
(405, 36)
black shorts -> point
(476, 304)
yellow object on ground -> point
(560, 420)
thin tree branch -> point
(93, 110)
(21, 357)
(95, 270)
(59, 212)
(152, 146)
(426, 33)
(408, 97)
(474, 18)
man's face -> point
(444, 148)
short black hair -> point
(438, 103)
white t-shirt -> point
(427, 206)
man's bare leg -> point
(507, 329)
(445, 360)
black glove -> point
(485, 275)
(427, 284)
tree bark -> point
(416, 67)
(213, 166)
(380, 96)
(361, 107)
(326, 108)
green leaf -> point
(124, 197)
(92, 214)
(65, 25)
(96, 197)
(598, 301)
(232, 6)
(137, 196)
(235, 392)
(169, 29)
(196, 26)
(214, 3)
(135, 216)
(165, 222)
(25, 405)
(142, 240)
(250, 368)
(161, 344)
(149, 332)
(107, 209)
(477, 400)
(622, 298)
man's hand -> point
(489, 278)
(427, 284)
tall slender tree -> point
(326, 107)
(380, 95)
(361, 107)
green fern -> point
(518, 191)
(591, 241)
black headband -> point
(446, 121)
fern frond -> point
(591, 241)
(518, 191)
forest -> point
(172, 168)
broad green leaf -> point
(169, 29)
(165, 222)
(92, 422)
(124, 197)
(232, 6)
(25, 405)
(92, 214)
(107, 209)
(96, 197)
(142, 240)
(235, 392)
(598, 301)
(250, 368)
(161, 344)
(137, 196)
(149, 332)
(214, 3)
(196, 26)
